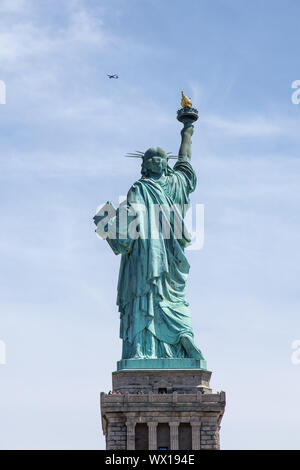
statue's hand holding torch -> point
(187, 115)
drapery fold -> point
(154, 313)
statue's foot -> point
(190, 347)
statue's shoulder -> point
(184, 169)
(137, 185)
(182, 164)
(141, 183)
(140, 189)
(135, 190)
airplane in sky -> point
(113, 75)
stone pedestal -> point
(162, 409)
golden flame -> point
(185, 102)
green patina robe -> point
(153, 309)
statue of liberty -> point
(148, 231)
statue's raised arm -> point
(187, 115)
(185, 150)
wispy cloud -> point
(12, 6)
(22, 39)
(256, 126)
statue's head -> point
(155, 161)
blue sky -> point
(65, 129)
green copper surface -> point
(155, 320)
(170, 363)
